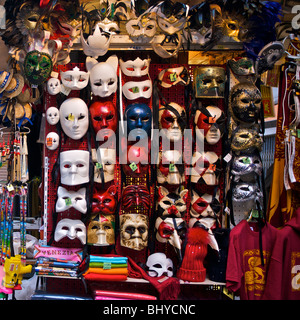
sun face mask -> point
(52, 115)
(172, 76)
(53, 86)
(74, 167)
(206, 205)
(73, 229)
(52, 141)
(134, 231)
(141, 27)
(71, 199)
(135, 196)
(104, 119)
(158, 264)
(209, 82)
(75, 79)
(74, 119)
(133, 90)
(211, 124)
(137, 162)
(104, 201)
(138, 117)
(135, 68)
(103, 76)
(246, 140)
(244, 167)
(105, 158)
(101, 230)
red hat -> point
(192, 268)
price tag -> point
(212, 119)
(10, 187)
(255, 213)
(298, 133)
(98, 165)
(68, 202)
(212, 167)
(71, 117)
(106, 265)
(133, 166)
(171, 167)
(173, 77)
(135, 89)
(228, 157)
(49, 142)
(246, 160)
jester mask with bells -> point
(101, 230)
(134, 231)
(209, 82)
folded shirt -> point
(108, 259)
(123, 271)
(105, 277)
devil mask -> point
(134, 197)
(105, 201)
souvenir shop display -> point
(152, 166)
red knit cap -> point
(192, 268)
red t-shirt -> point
(245, 274)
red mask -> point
(137, 159)
(135, 195)
(104, 202)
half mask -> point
(206, 205)
(74, 118)
(104, 158)
(74, 79)
(71, 199)
(248, 192)
(101, 230)
(137, 163)
(52, 115)
(246, 140)
(53, 86)
(244, 167)
(158, 265)
(172, 76)
(104, 201)
(73, 229)
(134, 231)
(52, 141)
(137, 89)
(135, 68)
(141, 27)
(135, 197)
(74, 167)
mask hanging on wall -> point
(73, 229)
(52, 115)
(137, 161)
(52, 141)
(71, 199)
(75, 79)
(106, 158)
(206, 205)
(104, 201)
(137, 89)
(172, 76)
(101, 230)
(135, 68)
(53, 86)
(135, 197)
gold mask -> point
(247, 140)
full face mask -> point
(74, 79)
(158, 265)
(209, 82)
(170, 168)
(103, 76)
(211, 124)
(105, 158)
(141, 27)
(172, 119)
(206, 205)
(133, 90)
(135, 68)
(74, 167)
(172, 76)
(71, 199)
(104, 119)
(246, 140)
(134, 231)
(101, 230)
(52, 115)
(244, 167)
(137, 163)
(104, 201)
(74, 119)
(53, 86)
(138, 117)
(206, 168)
(245, 102)
(37, 67)
(135, 197)
(73, 229)
(171, 204)
(52, 141)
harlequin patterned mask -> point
(104, 201)
(209, 82)
(172, 76)
(137, 163)
(205, 205)
(134, 231)
(134, 196)
(101, 230)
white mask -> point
(108, 161)
(52, 115)
(108, 26)
(71, 199)
(73, 28)
(162, 50)
(133, 90)
(52, 141)
(75, 79)
(53, 86)
(74, 167)
(135, 68)
(138, 27)
(159, 265)
(103, 76)
(171, 28)
(74, 119)
(70, 228)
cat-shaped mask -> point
(105, 202)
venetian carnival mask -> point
(141, 27)
(74, 118)
(245, 102)
(170, 168)
(75, 79)
(71, 27)
(242, 67)
(135, 68)
(247, 193)
(171, 204)
(104, 119)
(246, 140)
(172, 76)
(137, 161)
(137, 89)
(172, 119)
(206, 168)
(71, 199)
(37, 67)
(52, 141)
(134, 231)
(73, 229)
(104, 201)
(52, 115)
(104, 158)
(211, 124)
(206, 205)
(74, 167)
(134, 197)
(103, 76)
(209, 82)
(101, 230)
(53, 86)
(244, 167)
(158, 264)
(138, 117)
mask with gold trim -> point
(246, 140)
(101, 230)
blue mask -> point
(138, 116)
